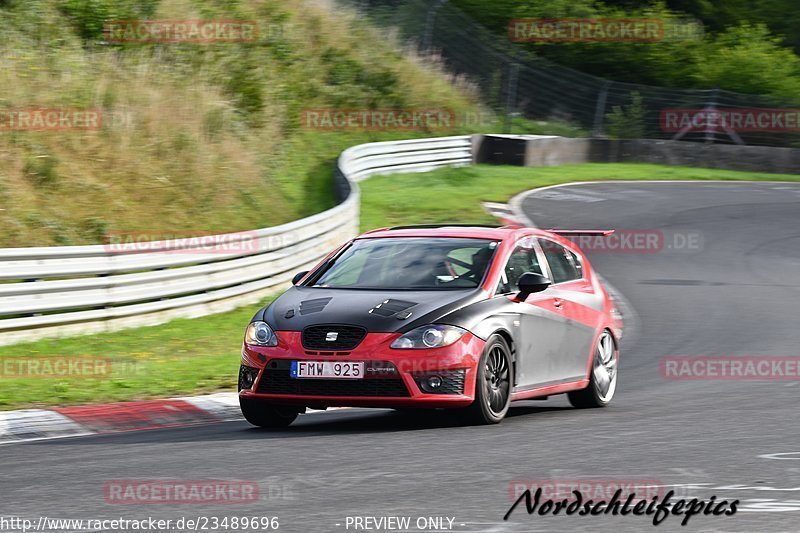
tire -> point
(267, 415)
(417, 414)
(492, 384)
(602, 378)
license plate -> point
(327, 369)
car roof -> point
(474, 231)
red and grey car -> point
(464, 318)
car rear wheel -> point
(267, 415)
(492, 384)
(603, 377)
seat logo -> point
(331, 336)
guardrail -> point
(59, 291)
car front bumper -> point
(393, 378)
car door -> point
(542, 328)
(578, 304)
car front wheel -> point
(492, 384)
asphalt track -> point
(734, 291)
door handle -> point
(558, 303)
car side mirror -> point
(530, 283)
(297, 277)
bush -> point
(735, 54)
(89, 16)
(246, 86)
(95, 228)
(41, 169)
(748, 59)
(627, 122)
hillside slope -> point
(195, 137)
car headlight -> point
(260, 334)
(433, 336)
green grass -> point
(180, 357)
(202, 354)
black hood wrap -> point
(379, 311)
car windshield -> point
(410, 263)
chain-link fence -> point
(517, 83)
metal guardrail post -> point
(511, 95)
(429, 22)
(599, 115)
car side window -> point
(564, 265)
(576, 261)
(522, 259)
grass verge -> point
(202, 354)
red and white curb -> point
(504, 212)
(59, 422)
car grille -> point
(347, 337)
(452, 381)
(276, 380)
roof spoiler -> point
(582, 232)
(442, 225)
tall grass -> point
(194, 137)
